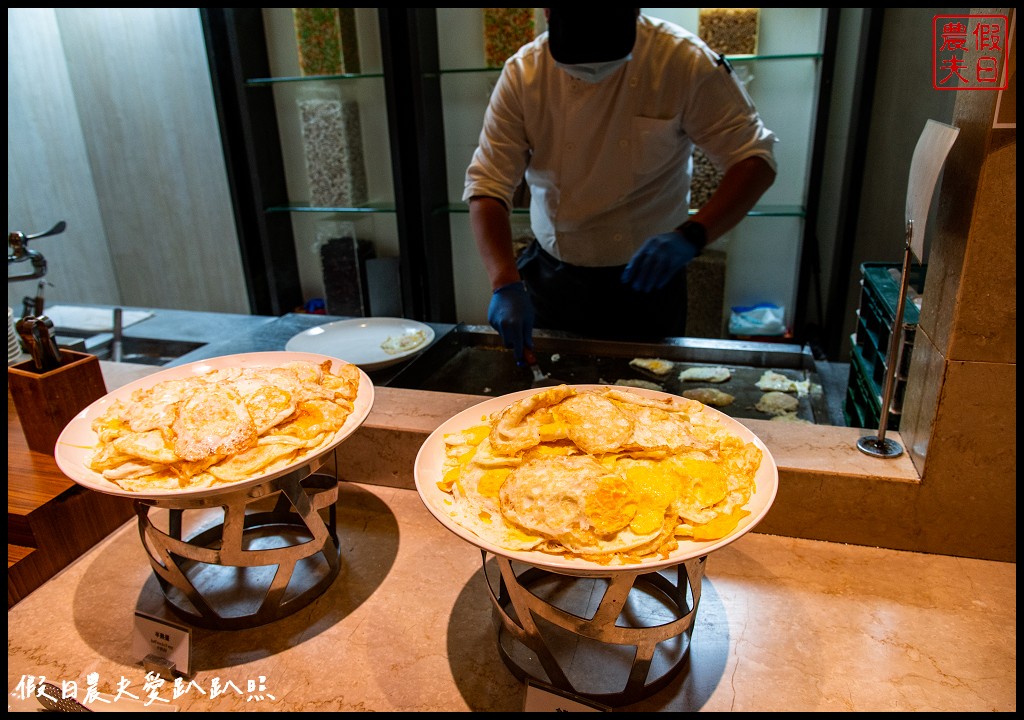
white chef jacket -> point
(609, 163)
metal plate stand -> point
(615, 639)
(256, 566)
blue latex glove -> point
(511, 314)
(658, 259)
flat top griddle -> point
(470, 359)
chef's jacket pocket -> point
(656, 143)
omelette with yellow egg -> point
(603, 474)
(225, 426)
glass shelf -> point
(731, 58)
(758, 211)
(774, 211)
(759, 58)
(263, 82)
(306, 207)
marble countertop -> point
(783, 624)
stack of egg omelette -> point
(607, 475)
(222, 427)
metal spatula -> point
(540, 378)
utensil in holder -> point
(47, 401)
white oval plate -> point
(430, 466)
(77, 441)
(359, 340)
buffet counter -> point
(784, 623)
(826, 487)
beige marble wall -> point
(986, 326)
(960, 420)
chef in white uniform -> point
(600, 115)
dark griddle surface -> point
(466, 363)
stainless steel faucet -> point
(18, 251)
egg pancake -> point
(226, 426)
(607, 474)
(706, 374)
(777, 402)
(656, 366)
(593, 422)
(773, 381)
(709, 396)
(214, 422)
(635, 382)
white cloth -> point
(609, 164)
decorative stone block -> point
(706, 178)
(343, 259)
(505, 31)
(332, 141)
(327, 40)
(730, 31)
(349, 41)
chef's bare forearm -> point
(492, 230)
(741, 187)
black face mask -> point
(585, 35)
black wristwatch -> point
(695, 233)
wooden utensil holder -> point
(47, 401)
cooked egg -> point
(267, 405)
(561, 498)
(652, 365)
(646, 384)
(227, 425)
(705, 374)
(594, 423)
(656, 486)
(215, 422)
(705, 485)
(395, 344)
(709, 396)
(777, 403)
(771, 380)
(608, 475)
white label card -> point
(164, 639)
(544, 698)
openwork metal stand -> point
(615, 638)
(256, 566)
